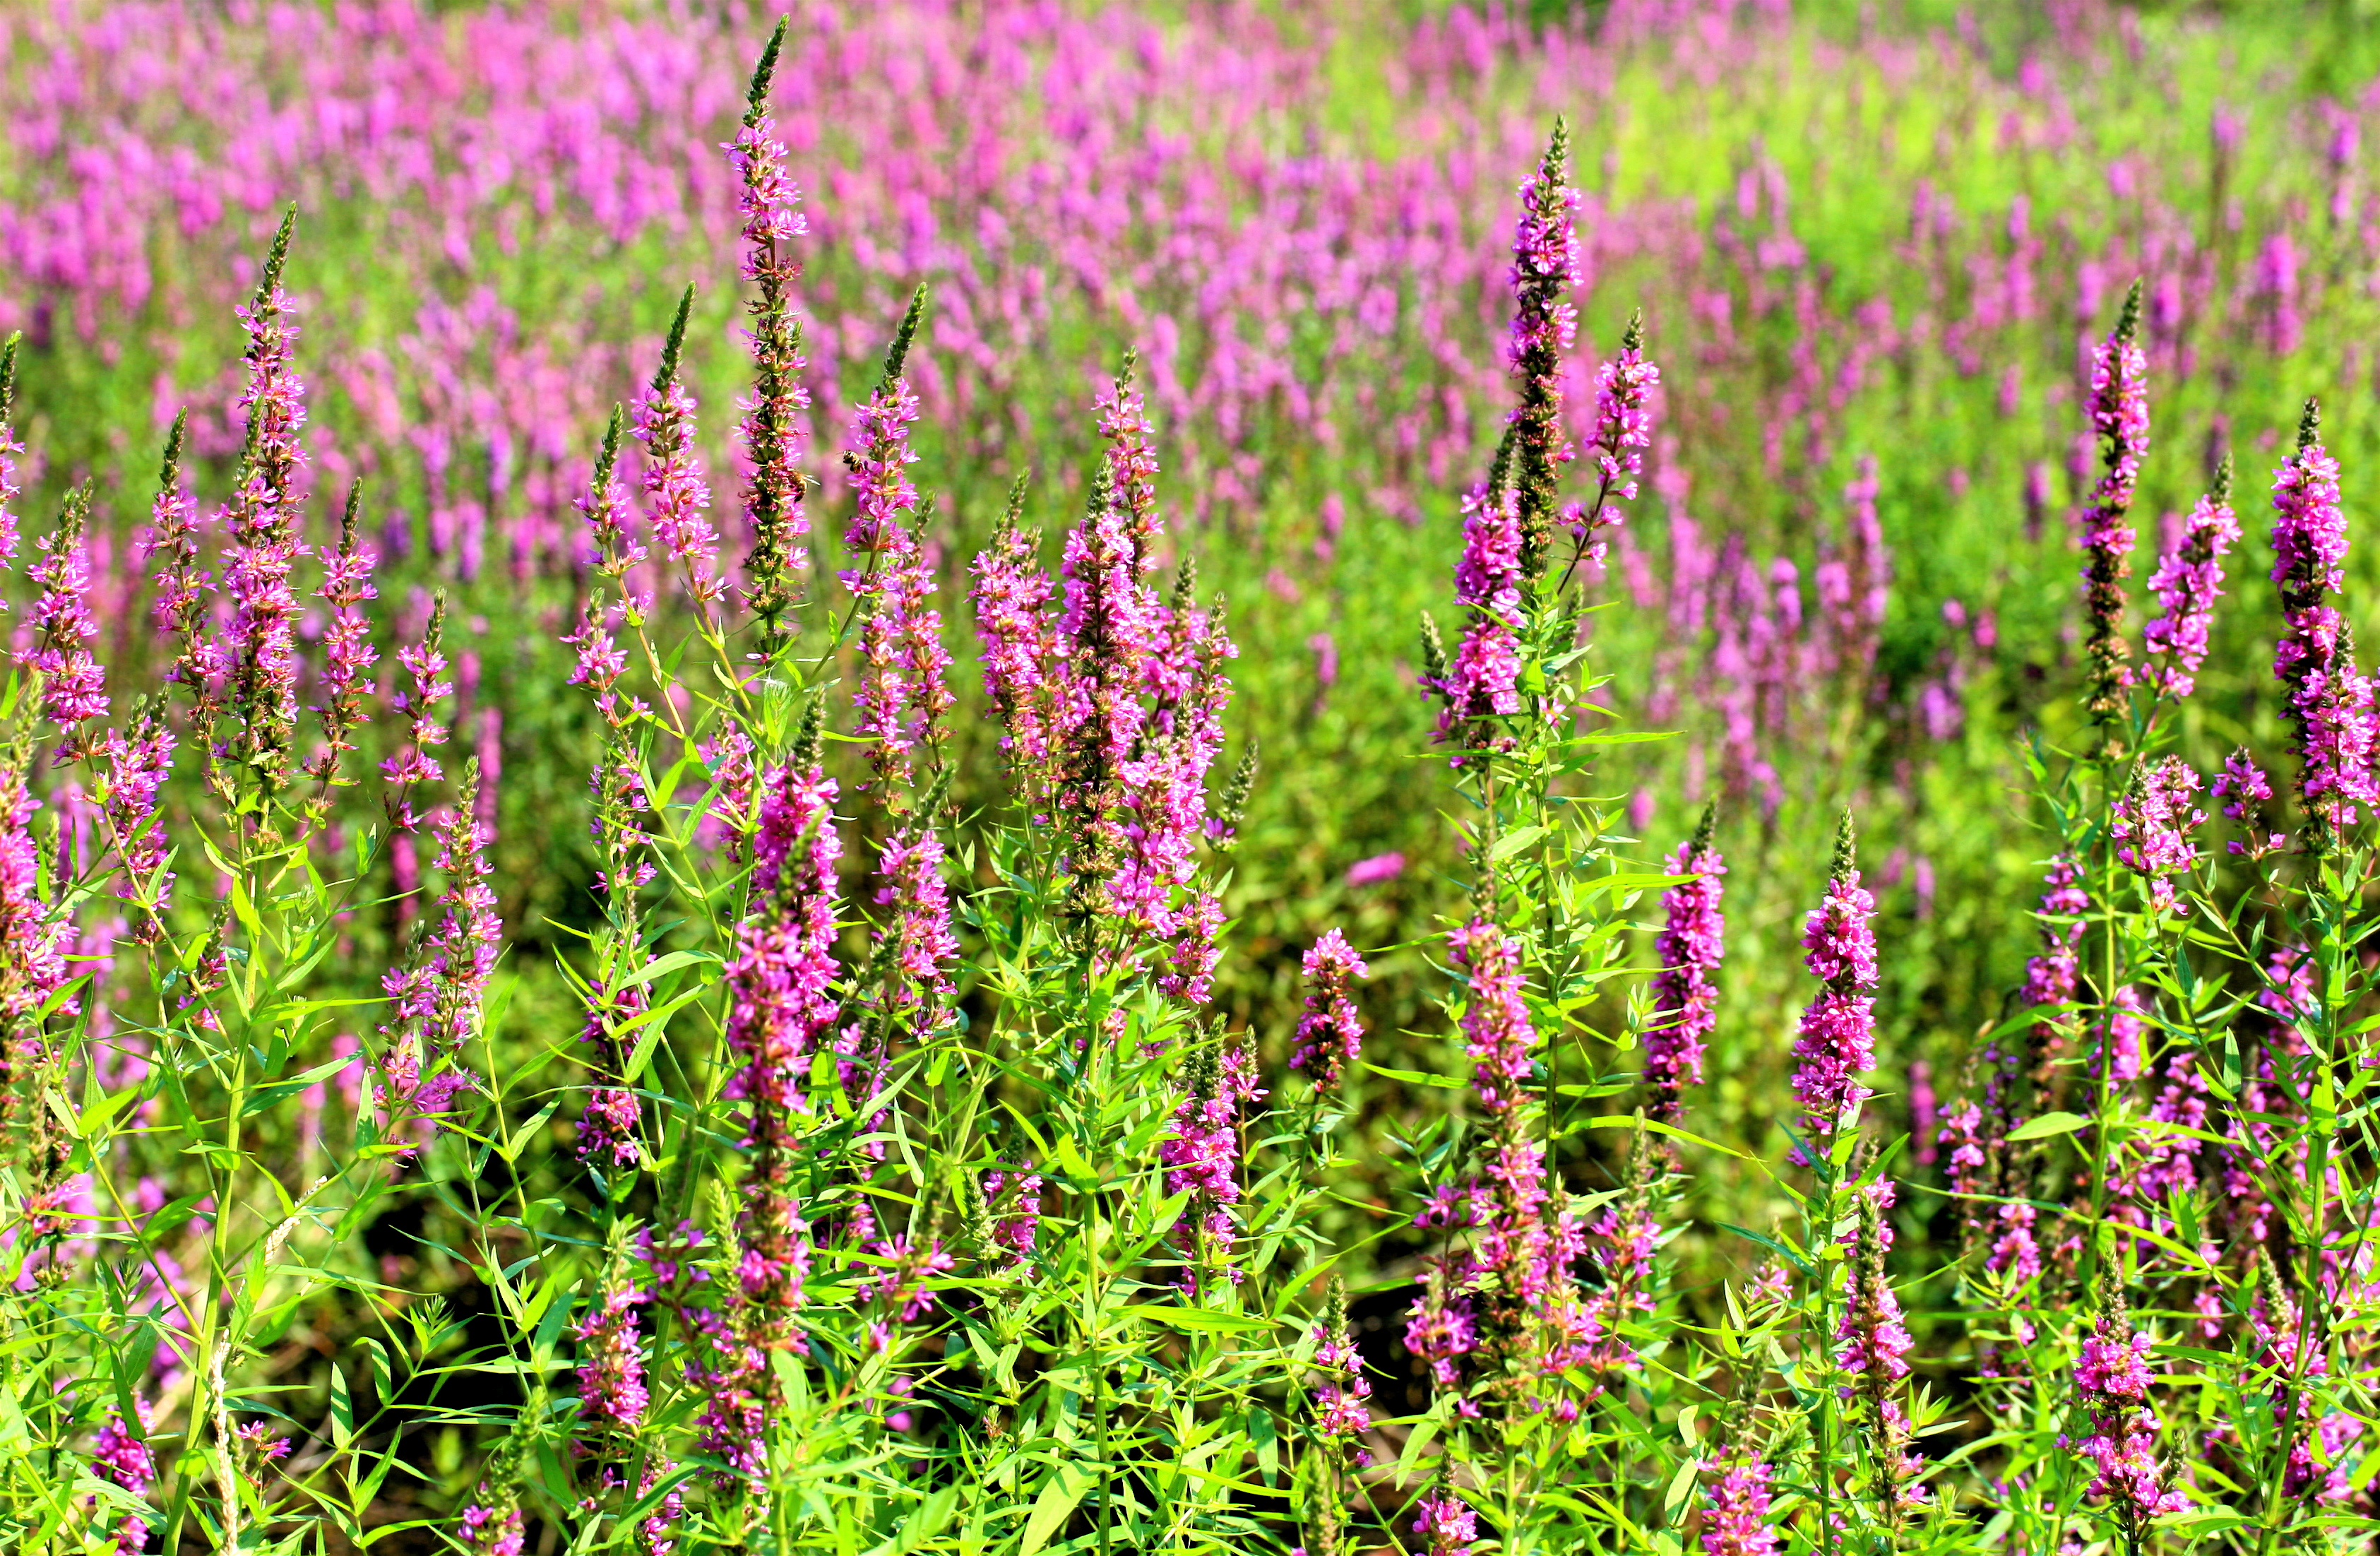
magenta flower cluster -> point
(1736, 1520)
(2112, 1378)
(2188, 580)
(1837, 1043)
(1685, 995)
(2329, 701)
(1330, 1033)
(2151, 828)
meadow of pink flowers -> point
(1058, 779)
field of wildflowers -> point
(1011, 776)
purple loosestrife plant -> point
(2188, 580)
(12, 453)
(1872, 1350)
(2111, 1384)
(2329, 701)
(1340, 1415)
(2120, 419)
(1686, 997)
(1623, 430)
(889, 585)
(74, 688)
(1837, 1044)
(771, 429)
(1012, 611)
(170, 945)
(414, 768)
(349, 653)
(1544, 325)
(261, 525)
(1519, 1347)
(783, 1010)
(1736, 1516)
(1330, 1033)
(677, 494)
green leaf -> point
(1414, 1078)
(1196, 1318)
(661, 967)
(1681, 1486)
(2049, 1124)
(1053, 1506)
(1513, 841)
(1629, 1120)
(922, 1525)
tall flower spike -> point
(1012, 615)
(1483, 679)
(1875, 1345)
(676, 495)
(1838, 1037)
(1341, 1414)
(136, 764)
(1132, 458)
(2188, 580)
(349, 654)
(770, 427)
(424, 663)
(73, 687)
(1330, 1033)
(469, 937)
(2329, 701)
(1736, 1520)
(781, 981)
(606, 507)
(1685, 999)
(33, 939)
(902, 689)
(11, 451)
(437, 994)
(261, 522)
(1159, 890)
(1105, 632)
(2112, 1381)
(2120, 418)
(1623, 430)
(179, 608)
(1545, 268)
(1202, 1159)
(611, 1391)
